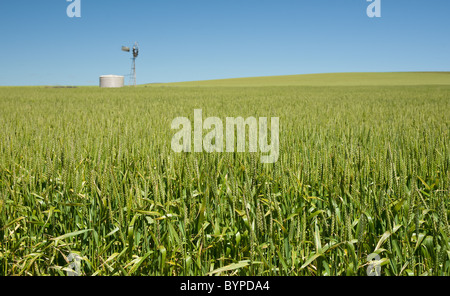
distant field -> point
(332, 79)
(364, 170)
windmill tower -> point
(135, 52)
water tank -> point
(111, 81)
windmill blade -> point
(135, 50)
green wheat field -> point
(363, 172)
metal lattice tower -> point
(135, 52)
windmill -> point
(135, 52)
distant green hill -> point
(331, 79)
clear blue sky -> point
(185, 40)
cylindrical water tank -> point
(111, 81)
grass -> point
(328, 79)
(363, 169)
